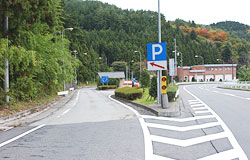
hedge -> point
(171, 91)
(128, 93)
(107, 87)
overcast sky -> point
(201, 11)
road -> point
(233, 107)
(93, 126)
(89, 127)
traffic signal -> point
(164, 85)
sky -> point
(201, 11)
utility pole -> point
(175, 59)
(159, 73)
(6, 75)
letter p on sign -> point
(154, 46)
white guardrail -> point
(236, 85)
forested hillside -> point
(235, 29)
(40, 59)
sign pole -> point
(159, 73)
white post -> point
(6, 75)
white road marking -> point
(178, 119)
(197, 105)
(188, 142)
(157, 157)
(147, 140)
(194, 102)
(182, 129)
(197, 112)
(199, 108)
(76, 100)
(21, 135)
(231, 138)
(226, 155)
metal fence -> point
(236, 85)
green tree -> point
(153, 88)
(145, 79)
(226, 53)
(119, 66)
(244, 74)
(193, 35)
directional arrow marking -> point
(153, 64)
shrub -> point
(128, 93)
(107, 87)
(171, 91)
(153, 88)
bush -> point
(112, 81)
(107, 87)
(153, 88)
(193, 79)
(171, 91)
(128, 93)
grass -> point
(85, 85)
(145, 95)
(18, 106)
(144, 100)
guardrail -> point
(236, 85)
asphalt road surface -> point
(92, 126)
(89, 127)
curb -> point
(136, 104)
(164, 113)
(41, 108)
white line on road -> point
(197, 105)
(178, 119)
(233, 141)
(182, 129)
(199, 108)
(197, 112)
(21, 135)
(147, 140)
(194, 102)
(226, 155)
(157, 157)
(188, 142)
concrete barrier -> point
(63, 93)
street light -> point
(70, 29)
(75, 53)
(140, 63)
(196, 56)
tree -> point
(244, 74)
(119, 66)
(145, 79)
(153, 88)
(193, 35)
(226, 53)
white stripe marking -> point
(194, 103)
(21, 135)
(182, 129)
(147, 141)
(188, 142)
(226, 155)
(65, 111)
(199, 108)
(178, 119)
(197, 112)
(157, 157)
(233, 141)
(197, 105)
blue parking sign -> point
(105, 79)
(157, 56)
